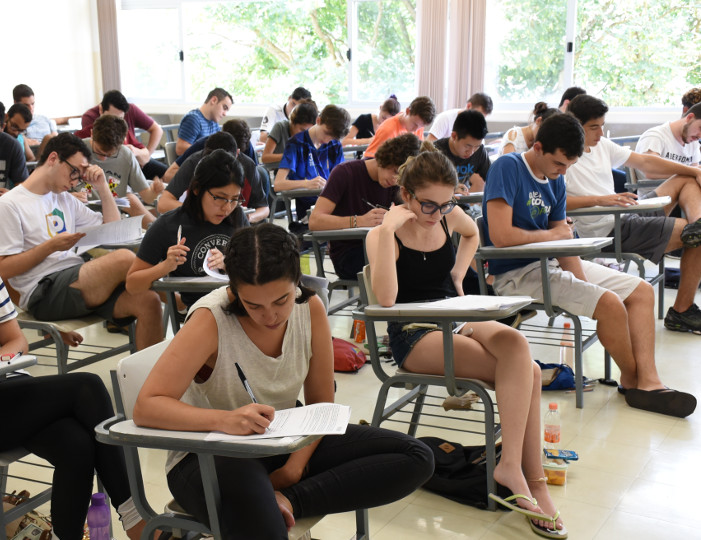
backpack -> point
(347, 356)
(460, 472)
(556, 376)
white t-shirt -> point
(514, 137)
(442, 125)
(28, 219)
(273, 115)
(592, 175)
(660, 140)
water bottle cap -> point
(98, 499)
(552, 406)
(568, 325)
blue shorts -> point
(402, 341)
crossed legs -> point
(100, 277)
(499, 354)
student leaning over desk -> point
(278, 332)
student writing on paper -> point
(38, 223)
(525, 202)
(358, 194)
(650, 234)
(277, 331)
(412, 258)
(208, 217)
(57, 422)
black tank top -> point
(425, 275)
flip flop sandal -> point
(663, 401)
(528, 513)
(545, 531)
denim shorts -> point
(402, 341)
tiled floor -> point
(634, 479)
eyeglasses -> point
(76, 173)
(223, 201)
(14, 127)
(428, 207)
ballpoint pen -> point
(180, 232)
(374, 205)
(245, 382)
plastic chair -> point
(170, 153)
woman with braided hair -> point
(276, 330)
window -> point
(343, 51)
(628, 53)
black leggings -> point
(54, 417)
(364, 468)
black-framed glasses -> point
(76, 173)
(223, 201)
(12, 125)
(429, 207)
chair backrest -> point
(480, 227)
(132, 372)
(367, 296)
(320, 286)
(170, 153)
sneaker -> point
(691, 234)
(686, 321)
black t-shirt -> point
(477, 163)
(252, 189)
(200, 237)
(364, 126)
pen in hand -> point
(374, 205)
(244, 381)
(180, 233)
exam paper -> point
(114, 232)
(317, 419)
(564, 243)
(475, 302)
(213, 273)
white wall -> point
(52, 46)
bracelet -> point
(355, 222)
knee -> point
(122, 258)
(513, 340)
(422, 465)
(147, 303)
(643, 293)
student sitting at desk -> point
(412, 258)
(57, 422)
(278, 333)
(302, 117)
(311, 155)
(417, 115)
(121, 167)
(524, 202)
(651, 235)
(519, 139)
(178, 242)
(364, 127)
(465, 150)
(38, 223)
(358, 194)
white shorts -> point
(567, 292)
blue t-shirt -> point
(194, 125)
(199, 145)
(306, 162)
(534, 202)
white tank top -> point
(275, 381)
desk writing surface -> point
(461, 308)
(554, 248)
(187, 284)
(644, 205)
(352, 233)
(298, 192)
(472, 197)
(18, 362)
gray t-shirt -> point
(280, 134)
(121, 171)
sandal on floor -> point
(663, 401)
(545, 531)
(516, 508)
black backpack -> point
(460, 473)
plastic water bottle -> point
(99, 518)
(567, 347)
(552, 427)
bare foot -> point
(285, 506)
(512, 478)
(539, 489)
(72, 339)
